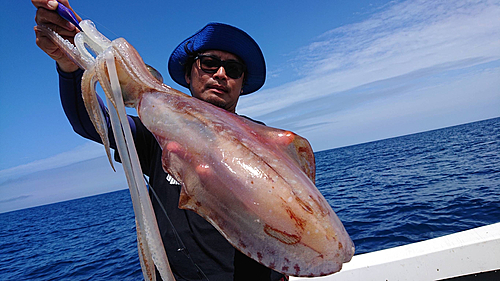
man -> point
(218, 64)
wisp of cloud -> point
(411, 66)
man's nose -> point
(221, 72)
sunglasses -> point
(211, 64)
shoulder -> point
(253, 120)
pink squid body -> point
(254, 183)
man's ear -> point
(188, 78)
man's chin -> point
(216, 101)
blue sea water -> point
(387, 193)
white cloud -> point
(75, 180)
(89, 150)
(405, 55)
(406, 109)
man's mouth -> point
(218, 88)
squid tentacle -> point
(151, 252)
(101, 68)
(89, 96)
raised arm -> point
(74, 108)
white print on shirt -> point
(171, 180)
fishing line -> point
(85, 16)
(181, 247)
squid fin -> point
(293, 145)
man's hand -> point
(47, 16)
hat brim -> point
(219, 36)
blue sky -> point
(339, 73)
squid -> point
(253, 183)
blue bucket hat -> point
(219, 36)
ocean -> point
(387, 193)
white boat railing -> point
(464, 253)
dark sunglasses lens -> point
(209, 64)
(234, 69)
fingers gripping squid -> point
(255, 184)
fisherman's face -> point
(216, 88)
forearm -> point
(74, 107)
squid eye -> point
(156, 74)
